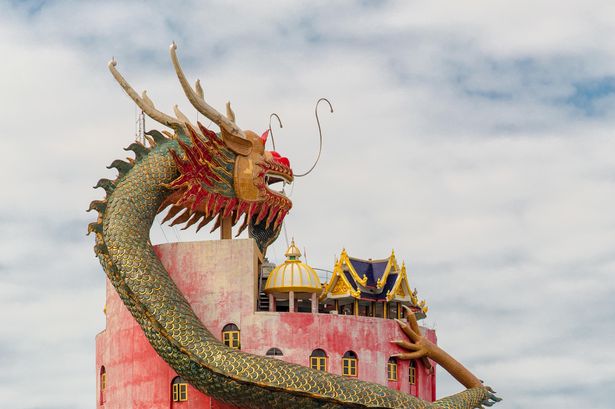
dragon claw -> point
(490, 397)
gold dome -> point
(293, 275)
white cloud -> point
(469, 137)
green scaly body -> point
(177, 335)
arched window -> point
(412, 372)
(230, 336)
(318, 360)
(349, 364)
(103, 384)
(392, 369)
(274, 352)
(179, 388)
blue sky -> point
(476, 139)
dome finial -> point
(293, 252)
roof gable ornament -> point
(338, 285)
(345, 260)
(391, 267)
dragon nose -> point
(284, 161)
(280, 159)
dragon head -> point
(221, 176)
(225, 178)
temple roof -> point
(381, 280)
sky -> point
(474, 138)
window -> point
(180, 389)
(349, 364)
(412, 373)
(274, 352)
(318, 360)
(103, 384)
(230, 336)
(392, 369)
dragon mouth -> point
(273, 177)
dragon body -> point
(195, 172)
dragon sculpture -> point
(201, 176)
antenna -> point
(139, 126)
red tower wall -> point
(219, 279)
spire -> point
(293, 252)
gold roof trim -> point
(331, 285)
(398, 287)
(392, 265)
(344, 259)
(401, 289)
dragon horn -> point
(144, 103)
(231, 133)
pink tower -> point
(343, 326)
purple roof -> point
(382, 295)
(350, 279)
(373, 270)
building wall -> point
(219, 280)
